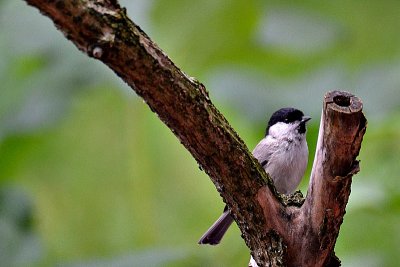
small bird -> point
(283, 153)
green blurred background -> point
(89, 176)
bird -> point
(283, 153)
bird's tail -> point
(215, 233)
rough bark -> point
(278, 231)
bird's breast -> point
(288, 164)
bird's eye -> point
(286, 120)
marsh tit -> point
(283, 153)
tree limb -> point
(270, 225)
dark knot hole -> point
(342, 100)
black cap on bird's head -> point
(288, 115)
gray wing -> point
(263, 151)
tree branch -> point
(269, 223)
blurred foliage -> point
(89, 176)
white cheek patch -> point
(279, 129)
(284, 131)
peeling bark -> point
(279, 231)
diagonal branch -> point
(102, 30)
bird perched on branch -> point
(283, 153)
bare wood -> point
(272, 227)
(341, 131)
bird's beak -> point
(305, 119)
